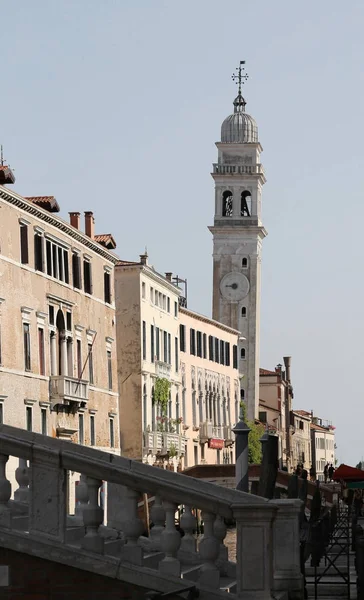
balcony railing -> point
(162, 441)
(162, 369)
(65, 389)
(224, 169)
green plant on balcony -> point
(161, 393)
(173, 452)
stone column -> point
(63, 351)
(53, 345)
(254, 562)
(286, 549)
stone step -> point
(228, 584)
(190, 572)
(152, 559)
(113, 547)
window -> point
(199, 343)
(112, 436)
(204, 345)
(216, 350)
(76, 270)
(192, 341)
(151, 294)
(41, 351)
(244, 263)
(38, 252)
(263, 416)
(243, 311)
(24, 254)
(176, 354)
(211, 347)
(168, 304)
(107, 287)
(152, 343)
(157, 340)
(227, 354)
(109, 369)
(227, 204)
(90, 364)
(235, 357)
(222, 352)
(26, 334)
(182, 338)
(79, 358)
(69, 321)
(43, 418)
(92, 430)
(29, 418)
(0, 347)
(176, 309)
(301, 425)
(245, 205)
(1, 413)
(242, 353)
(165, 347)
(143, 289)
(81, 435)
(144, 340)
(242, 394)
(87, 277)
(57, 261)
(51, 315)
(169, 349)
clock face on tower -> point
(234, 286)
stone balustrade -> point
(267, 558)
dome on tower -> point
(239, 128)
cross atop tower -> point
(240, 76)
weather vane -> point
(240, 76)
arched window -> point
(227, 204)
(178, 425)
(242, 394)
(244, 263)
(145, 407)
(246, 204)
(243, 311)
(242, 353)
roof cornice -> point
(204, 319)
(43, 215)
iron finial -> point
(240, 77)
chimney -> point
(75, 219)
(90, 224)
(287, 364)
(144, 258)
(169, 276)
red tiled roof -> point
(106, 239)
(266, 372)
(127, 263)
(47, 202)
(320, 428)
(304, 413)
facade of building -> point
(301, 438)
(275, 408)
(57, 324)
(210, 388)
(147, 325)
(323, 445)
(237, 242)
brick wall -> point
(34, 578)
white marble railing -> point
(158, 441)
(40, 503)
(64, 388)
(223, 169)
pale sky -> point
(115, 107)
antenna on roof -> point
(1, 155)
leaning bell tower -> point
(237, 239)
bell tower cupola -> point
(237, 238)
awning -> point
(346, 473)
(355, 485)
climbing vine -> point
(161, 393)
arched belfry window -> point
(246, 204)
(244, 263)
(227, 204)
(242, 353)
(243, 311)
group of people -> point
(329, 472)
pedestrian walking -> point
(326, 472)
(331, 472)
(313, 473)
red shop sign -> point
(216, 444)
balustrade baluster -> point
(158, 517)
(22, 478)
(170, 543)
(188, 524)
(5, 493)
(93, 517)
(209, 550)
(133, 528)
(82, 497)
(220, 530)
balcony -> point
(65, 390)
(162, 369)
(228, 435)
(162, 441)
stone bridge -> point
(41, 533)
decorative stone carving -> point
(188, 524)
(170, 543)
(158, 517)
(93, 516)
(209, 551)
(133, 528)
